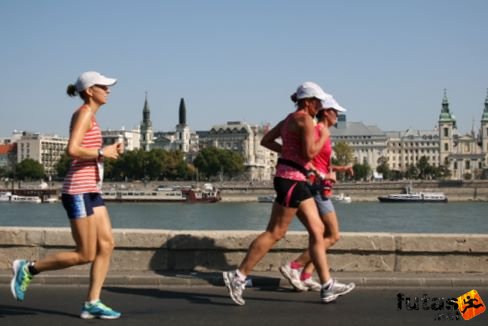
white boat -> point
(414, 197)
(426, 197)
(26, 199)
(266, 199)
(144, 196)
(164, 195)
(9, 197)
(341, 198)
(5, 196)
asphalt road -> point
(210, 305)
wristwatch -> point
(100, 152)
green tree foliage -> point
(29, 169)
(211, 161)
(62, 166)
(361, 171)
(412, 172)
(384, 168)
(343, 153)
(424, 168)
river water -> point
(456, 217)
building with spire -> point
(447, 131)
(183, 139)
(466, 156)
(147, 135)
(483, 139)
(463, 155)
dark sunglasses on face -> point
(105, 88)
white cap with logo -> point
(91, 78)
(309, 90)
(331, 103)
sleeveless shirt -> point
(83, 175)
(291, 149)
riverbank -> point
(370, 191)
(456, 191)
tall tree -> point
(343, 153)
(29, 169)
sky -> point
(387, 62)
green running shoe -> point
(98, 310)
(21, 279)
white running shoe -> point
(312, 285)
(293, 276)
(334, 290)
(235, 287)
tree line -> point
(157, 164)
(213, 163)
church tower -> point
(484, 131)
(182, 129)
(447, 127)
(147, 134)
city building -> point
(131, 138)
(464, 155)
(405, 148)
(45, 149)
(245, 139)
(8, 153)
(182, 139)
(368, 143)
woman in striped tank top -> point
(81, 196)
(298, 147)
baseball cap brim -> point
(331, 103)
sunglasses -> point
(105, 88)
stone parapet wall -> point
(166, 250)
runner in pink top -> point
(298, 146)
(299, 272)
(81, 197)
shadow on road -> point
(190, 256)
(8, 311)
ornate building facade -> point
(245, 139)
(466, 156)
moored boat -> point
(9, 197)
(164, 195)
(341, 198)
(424, 197)
(414, 197)
(266, 198)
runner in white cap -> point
(299, 145)
(82, 200)
(299, 271)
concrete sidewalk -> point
(258, 279)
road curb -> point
(188, 279)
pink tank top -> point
(83, 175)
(291, 150)
(322, 160)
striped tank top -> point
(83, 175)
(291, 150)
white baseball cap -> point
(331, 103)
(309, 90)
(91, 78)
